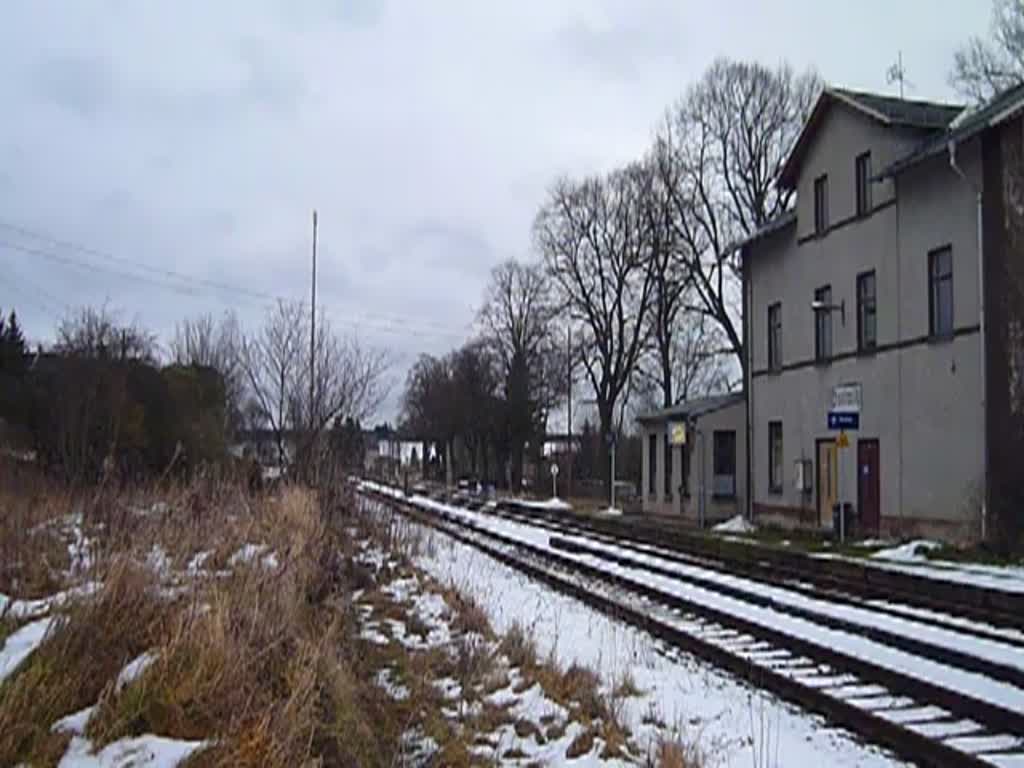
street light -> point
(821, 306)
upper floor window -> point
(867, 326)
(940, 292)
(863, 173)
(823, 323)
(821, 204)
(775, 336)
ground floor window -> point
(652, 461)
(724, 464)
(775, 456)
(668, 466)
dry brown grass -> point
(86, 647)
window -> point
(940, 292)
(867, 329)
(724, 481)
(821, 204)
(823, 324)
(863, 173)
(652, 462)
(668, 466)
(775, 336)
(775, 456)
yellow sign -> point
(843, 441)
(677, 433)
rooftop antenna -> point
(897, 74)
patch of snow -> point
(610, 512)
(250, 552)
(554, 504)
(80, 547)
(737, 524)
(158, 561)
(196, 563)
(911, 552)
(33, 609)
(75, 722)
(20, 644)
(875, 543)
(134, 752)
(385, 681)
(133, 669)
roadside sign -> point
(843, 420)
(610, 438)
(554, 470)
(843, 441)
(677, 433)
(846, 398)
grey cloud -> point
(81, 84)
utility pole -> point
(896, 73)
(568, 362)
(312, 341)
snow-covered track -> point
(949, 620)
(981, 604)
(929, 723)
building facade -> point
(694, 460)
(875, 283)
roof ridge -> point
(853, 92)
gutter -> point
(978, 192)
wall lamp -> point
(821, 306)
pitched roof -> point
(692, 408)
(780, 222)
(967, 124)
(888, 110)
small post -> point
(613, 475)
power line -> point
(404, 328)
(261, 296)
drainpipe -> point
(952, 147)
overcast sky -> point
(198, 136)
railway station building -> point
(694, 459)
(884, 321)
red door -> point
(868, 488)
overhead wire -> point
(404, 327)
(167, 274)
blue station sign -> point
(843, 420)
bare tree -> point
(97, 332)
(518, 320)
(983, 68)
(272, 359)
(205, 341)
(594, 244)
(718, 154)
(349, 379)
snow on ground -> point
(610, 512)
(737, 524)
(20, 644)
(150, 751)
(851, 643)
(735, 724)
(911, 552)
(133, 669)
(554, 504)
(250, 552)
(530, 711)
(907, 558)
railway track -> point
(895, 689)
(979, 604)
